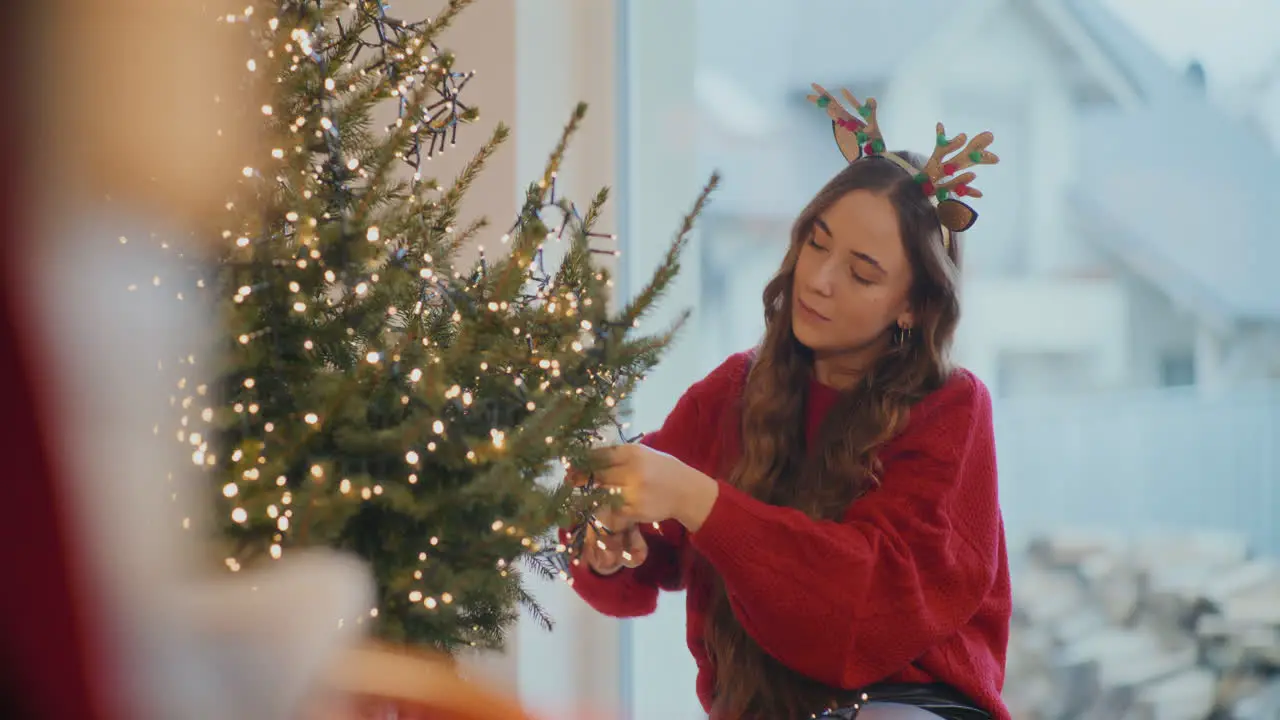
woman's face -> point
(852, 279)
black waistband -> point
(942, 700)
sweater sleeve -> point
(851, 602)
(633, 592)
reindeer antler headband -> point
(940, 178)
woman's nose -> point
(822, 279)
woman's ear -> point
(906, 320)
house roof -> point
(828, 40)
(872, 39)
(774, 167)
(1171, 184)
(1185, 189)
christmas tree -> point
(371, 398)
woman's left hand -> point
(655, 486)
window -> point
(1101, 431)
(1178, 369)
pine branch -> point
(521, 596)
(447, 211)
(510, 272)
(535, 197)
(671, 263)
(541, 562)
(441, 22)
(465, 237)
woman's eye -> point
(860, 279)
(813, 243)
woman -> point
(829, 499)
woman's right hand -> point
(608, 552)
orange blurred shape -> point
(144, 100)
(380, 682)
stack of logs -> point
(1175, 627)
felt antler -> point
(943, 174)
(939, 167)
(855, 136)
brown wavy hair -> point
(776, 465)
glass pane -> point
(1113, 301)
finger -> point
(636, 548)
(612, 456)
(613, 479)
(576, 478)
(606, 549)
(603, 563)
(614, 518)
(602, 553)
(611, 521)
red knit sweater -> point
(911, 587)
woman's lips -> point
(810, 311)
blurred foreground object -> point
(385, 682)
(106, 611)
(139, 99)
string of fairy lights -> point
(412, 68)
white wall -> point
(1159, 329)
(660, 179)
(1038, 316)
(1028, 104)
(1141, 461)
(1032, 310)
(565, 52)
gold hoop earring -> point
(902, 335)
